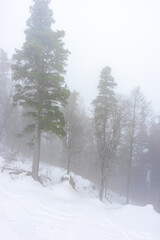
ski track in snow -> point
(29, 211)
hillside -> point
(32, 211)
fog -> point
(48, 133)
(124, 35)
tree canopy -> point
(38, 69)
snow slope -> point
(30, 211)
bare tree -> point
(5, 97)
(73, 140)
(138, 122)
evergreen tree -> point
(104, 121)
(38, 69)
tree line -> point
(115, 145)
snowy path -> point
(29, 211)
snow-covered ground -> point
(30, 211)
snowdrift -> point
(31, 211)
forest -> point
(115, 144)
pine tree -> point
(38, 69)
(104, 108)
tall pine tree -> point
(104, 121)
(38, 69)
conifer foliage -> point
(38, 69)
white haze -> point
(123, 34)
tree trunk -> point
(68, 164)
(133, 124)
(36, 158)
(106, 180)
(102, 181)
(129, 172)
(128, 184)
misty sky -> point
(122, 34)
